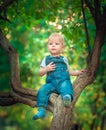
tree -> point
(62, 117)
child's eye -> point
(50, 43)
(57, 43)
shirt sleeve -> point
(66, 61)
(43, 63)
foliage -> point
(31, 22)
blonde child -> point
(55, 66)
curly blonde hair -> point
(57, 35)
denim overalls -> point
(57, 81)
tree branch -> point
(18, 94)
(97, 11)
(97, 4)
(4, 18)
(89, 5)
(3, 9)
(5, 4)
(15, 73)
(6, 99)
(87, 36)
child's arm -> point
(44, 70)
(77, 73)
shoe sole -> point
(66, 101)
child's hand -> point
(50, 67)
(82, 71)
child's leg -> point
(42, 100)
(41, 113)
(66, 91)
(44, 94)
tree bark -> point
(62, 116)
(17, 94)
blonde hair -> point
(57, 35)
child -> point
(58, 74)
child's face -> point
(55, 46)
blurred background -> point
(31, 23)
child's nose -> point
(53, 44)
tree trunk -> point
(62, 116)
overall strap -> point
(47, 58)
